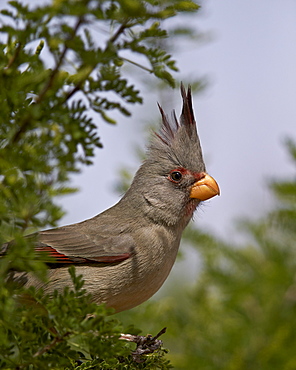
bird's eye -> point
(176, 176)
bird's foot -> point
(145, 344)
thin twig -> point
(120, 30)
(138, 65)
(73, 91)
(59, 63)
(112, 39)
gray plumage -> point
(126, 253)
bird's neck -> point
(147, 207)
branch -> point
(49, 83)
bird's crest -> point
(170, 127)
(177, 143)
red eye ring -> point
(176, 176)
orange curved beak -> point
(205, 188)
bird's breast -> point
(133, 281)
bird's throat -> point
(191, 207)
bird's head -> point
(173, 180)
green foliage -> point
(62, 69)
(240, 312)
(66, 331)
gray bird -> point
(126, 253)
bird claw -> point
(145, 344)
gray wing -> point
(87, 242)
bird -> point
(126, 252)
